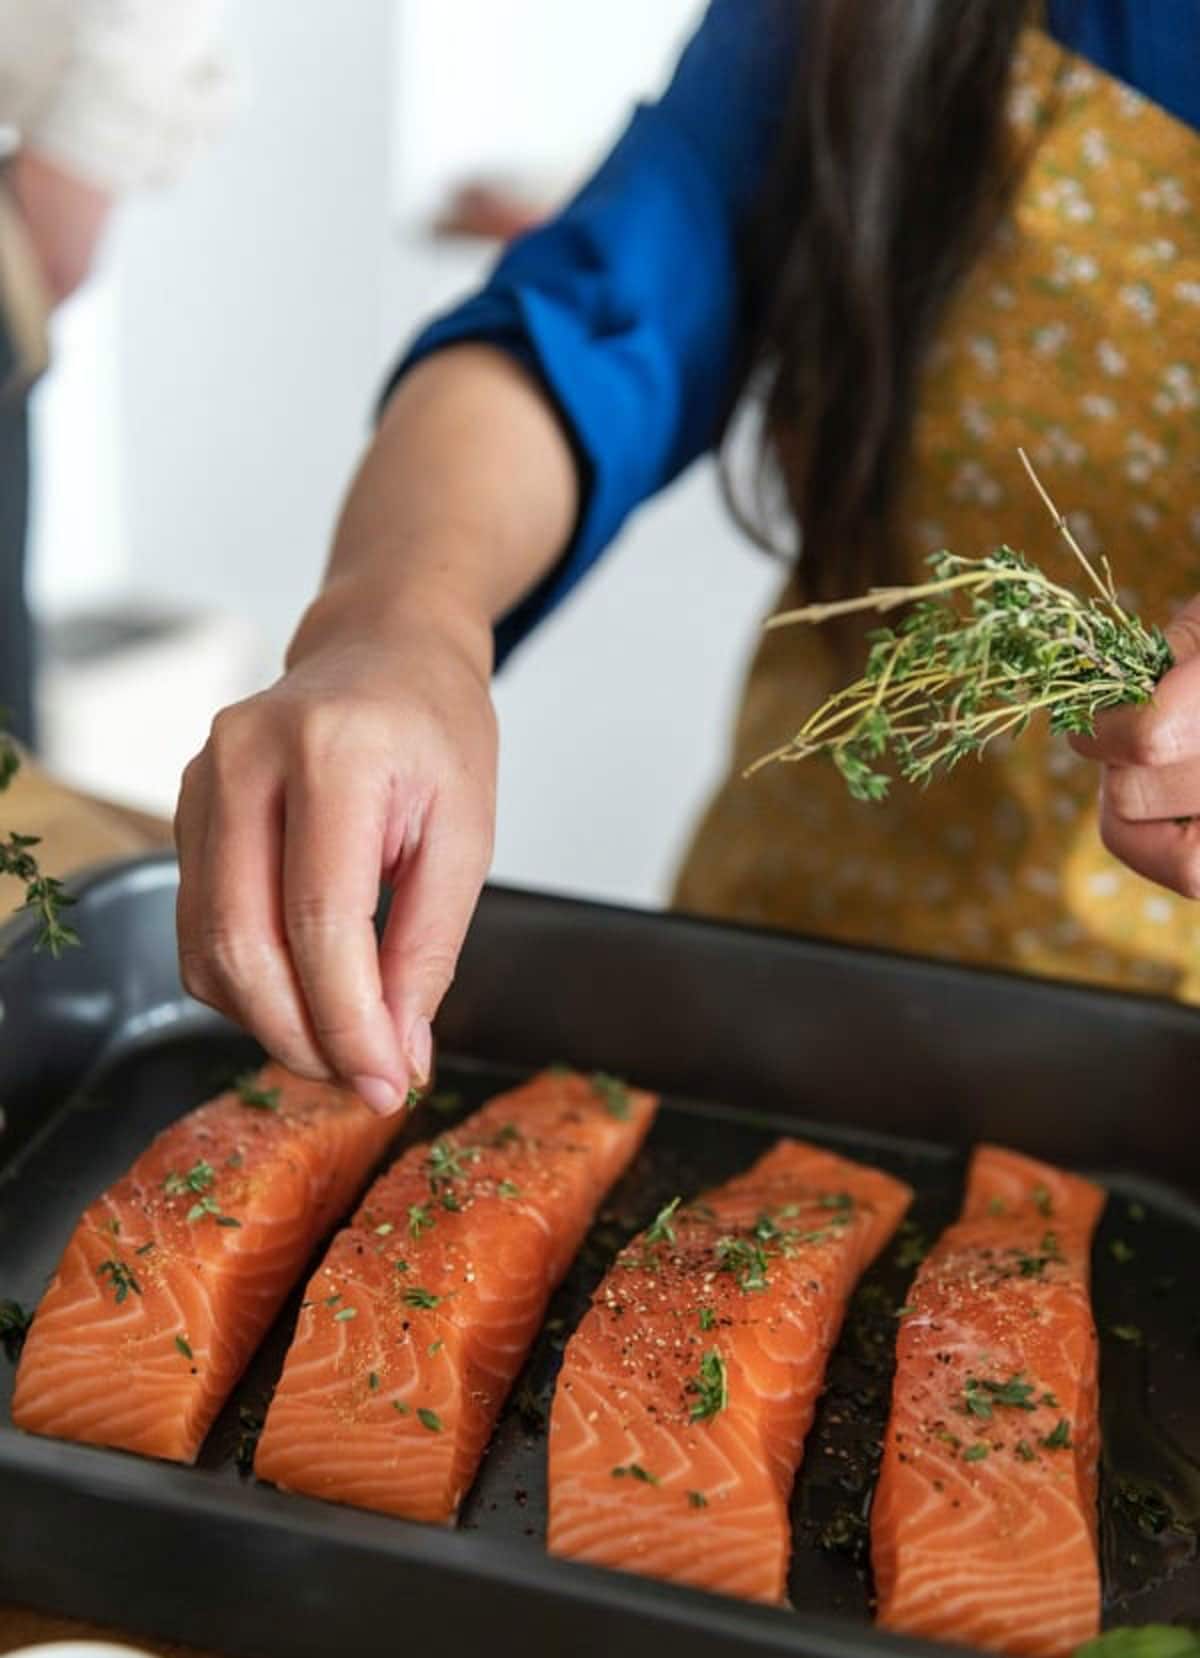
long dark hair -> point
(892, 166)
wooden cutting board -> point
(75, 831)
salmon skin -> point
(420, 1316)
(172, 1277)
(686, 1393)
(983, 1528)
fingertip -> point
(381, 1096)
(418, 1050)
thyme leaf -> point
(748, 1262)
(1126, 1332)
(121, 1279)
(418, 1297)
(198, 1178)
(1059, 1437)
(711, 1387)
(419, 1219)
(661, 1229)
(252, 1094)
(981, 1395)
(43, 894)
(447, 1163)
(613, 1093)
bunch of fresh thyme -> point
(987, 644)
(43, 893)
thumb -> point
(1165, 730)
(1183, 632)
(433, 900)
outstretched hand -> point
(369, 761)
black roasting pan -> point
(748, 1035)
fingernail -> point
(420, 1051)
(378, 1094)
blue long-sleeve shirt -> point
(625, 304)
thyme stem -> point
(987, 643)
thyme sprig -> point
(987, 644)
(43, 893)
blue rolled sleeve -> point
(626, 303)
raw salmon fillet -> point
(421, 1314)
(983, 1528)
(686, 1393)
(172, 1277)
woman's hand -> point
(373, 759)
(1150, 787)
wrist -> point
(392, 611)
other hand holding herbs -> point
(987, 644)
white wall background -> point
(214, 388)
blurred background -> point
(213, 383)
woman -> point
(915, 235)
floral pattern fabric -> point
(1076, 336)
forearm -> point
(464, 501)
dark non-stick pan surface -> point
(100, 1050)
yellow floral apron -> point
(1077, 335)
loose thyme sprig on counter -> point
(43, 893)
(988, 644)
